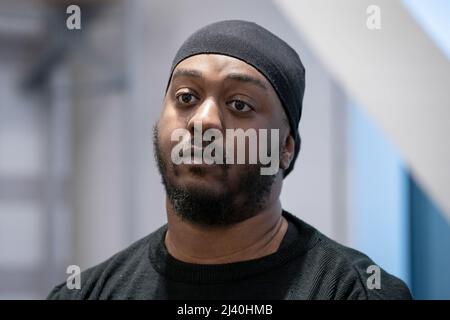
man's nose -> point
(208, 114)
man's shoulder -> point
(370, 280)
(119, 266)
(347, 273)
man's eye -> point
(240, 106)
(186, 98)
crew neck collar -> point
(177, 270)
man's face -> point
(218, 92)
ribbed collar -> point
(177, 270)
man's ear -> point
(287, 152)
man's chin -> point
(201, 171)
(200, 180)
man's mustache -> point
(237, 147)
(189, 146)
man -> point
(227, 236)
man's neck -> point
(253, 238)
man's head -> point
(224, 78)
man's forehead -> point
(217, 65)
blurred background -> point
(78, 181)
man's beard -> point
(203, 206)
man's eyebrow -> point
(247, 78)
(232, 76)
(187, 73)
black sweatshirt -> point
(308, 265)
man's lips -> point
(197, 153)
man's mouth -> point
(198, 156)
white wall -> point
(397, 73)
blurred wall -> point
(105, 85)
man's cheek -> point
(168, 145)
